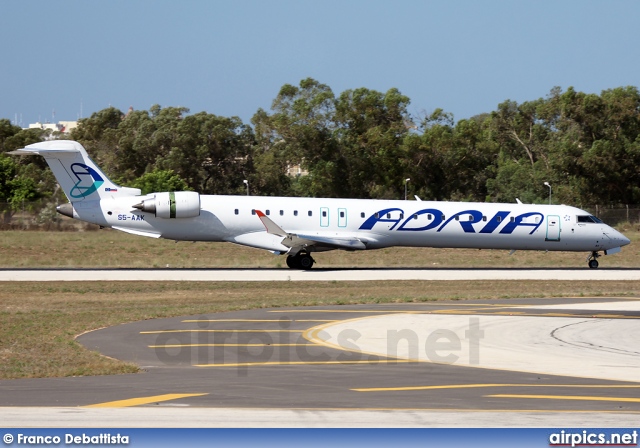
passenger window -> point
(513, 219)
(388, 215)
(415, 216)
(429, 217)
(236, 211)
(281, 212)
(253, 211)
(268, 212)
(310, 213)
(484, 218)
(295, 213)
(401, 215)
(342, 214)
(324, 214)
(499, 219)
(457, 218)
(362, 214)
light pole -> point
(547, 184)
(406, 181)
(246, 182)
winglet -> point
(271, 226)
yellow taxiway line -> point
(263, 330)
(141, 400)
(228, 345)
(306, 363)
(260, 320)
(568, 397)
(474, 386)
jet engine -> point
(172, 204)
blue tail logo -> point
(88, 180)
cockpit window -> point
(589, 218)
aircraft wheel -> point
(593, 264)
(305, 261)
(293, 262)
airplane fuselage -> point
(377, 223)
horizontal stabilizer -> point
(77, 174)
(51, 147)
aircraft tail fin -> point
(77, 174)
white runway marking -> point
(244, 275)
(167, 417)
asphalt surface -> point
(269, 359)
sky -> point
(66, 59)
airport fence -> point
(42, 215)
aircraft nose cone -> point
(621, 238)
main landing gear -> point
(593, 260)
(301, 260)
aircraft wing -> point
(297, 241)
(341, 242)
(137, 232)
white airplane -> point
(299, 226)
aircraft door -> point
(553, 228)
(342, 217)
(324, 217)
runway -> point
(537, 362)
(244, 275)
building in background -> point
(63, 127)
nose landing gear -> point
(592, 260)
(302, 260)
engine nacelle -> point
(172, 204)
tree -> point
(299, 132)
(363, 144)
(159, 181)
(212, 153)
(371, 127)
(7, 130)
(15, 189)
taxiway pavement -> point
(332, 366)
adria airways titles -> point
(299, 226)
